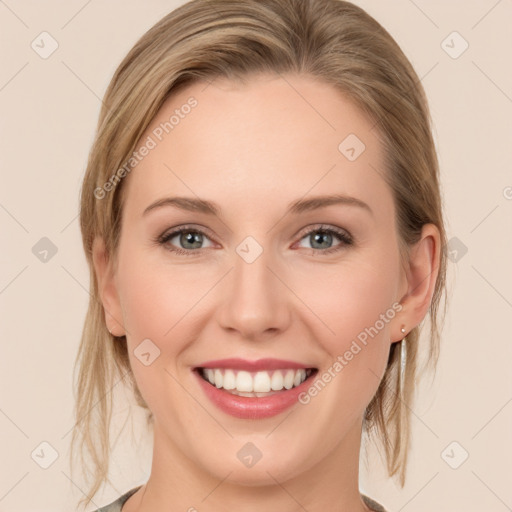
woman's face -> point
(258, 279)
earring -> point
(403, 361)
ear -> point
(107, 288)
(421, 270)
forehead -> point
(269, 140)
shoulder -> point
(115, 506)
(376, 507)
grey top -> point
(116, 505)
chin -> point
(271, 466)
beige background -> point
(49, 113)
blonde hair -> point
(331, 40)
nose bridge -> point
(255, 301)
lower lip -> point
(253, 407)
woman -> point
(262, 218)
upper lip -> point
(253, 366)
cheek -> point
(356, 311)
(159, 302)
(348, 299)
(355, 302)
(142, 300)
(154, 296)
(152, 306)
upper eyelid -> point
(186, 227)
(323, 227)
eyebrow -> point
(299, 206)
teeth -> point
(245, 383)
(210, 375)
(229, 381)
(261, 382)
(277, 382)
(218, 378)
(288, 379)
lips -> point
(253, 366)
(254, 389)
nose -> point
(255, 300)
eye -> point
(322, 237)
(188, 240)
(185, 240)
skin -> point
(253, 149)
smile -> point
(253, 389)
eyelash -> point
(342, 235)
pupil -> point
(193, 238)
(322, 236)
